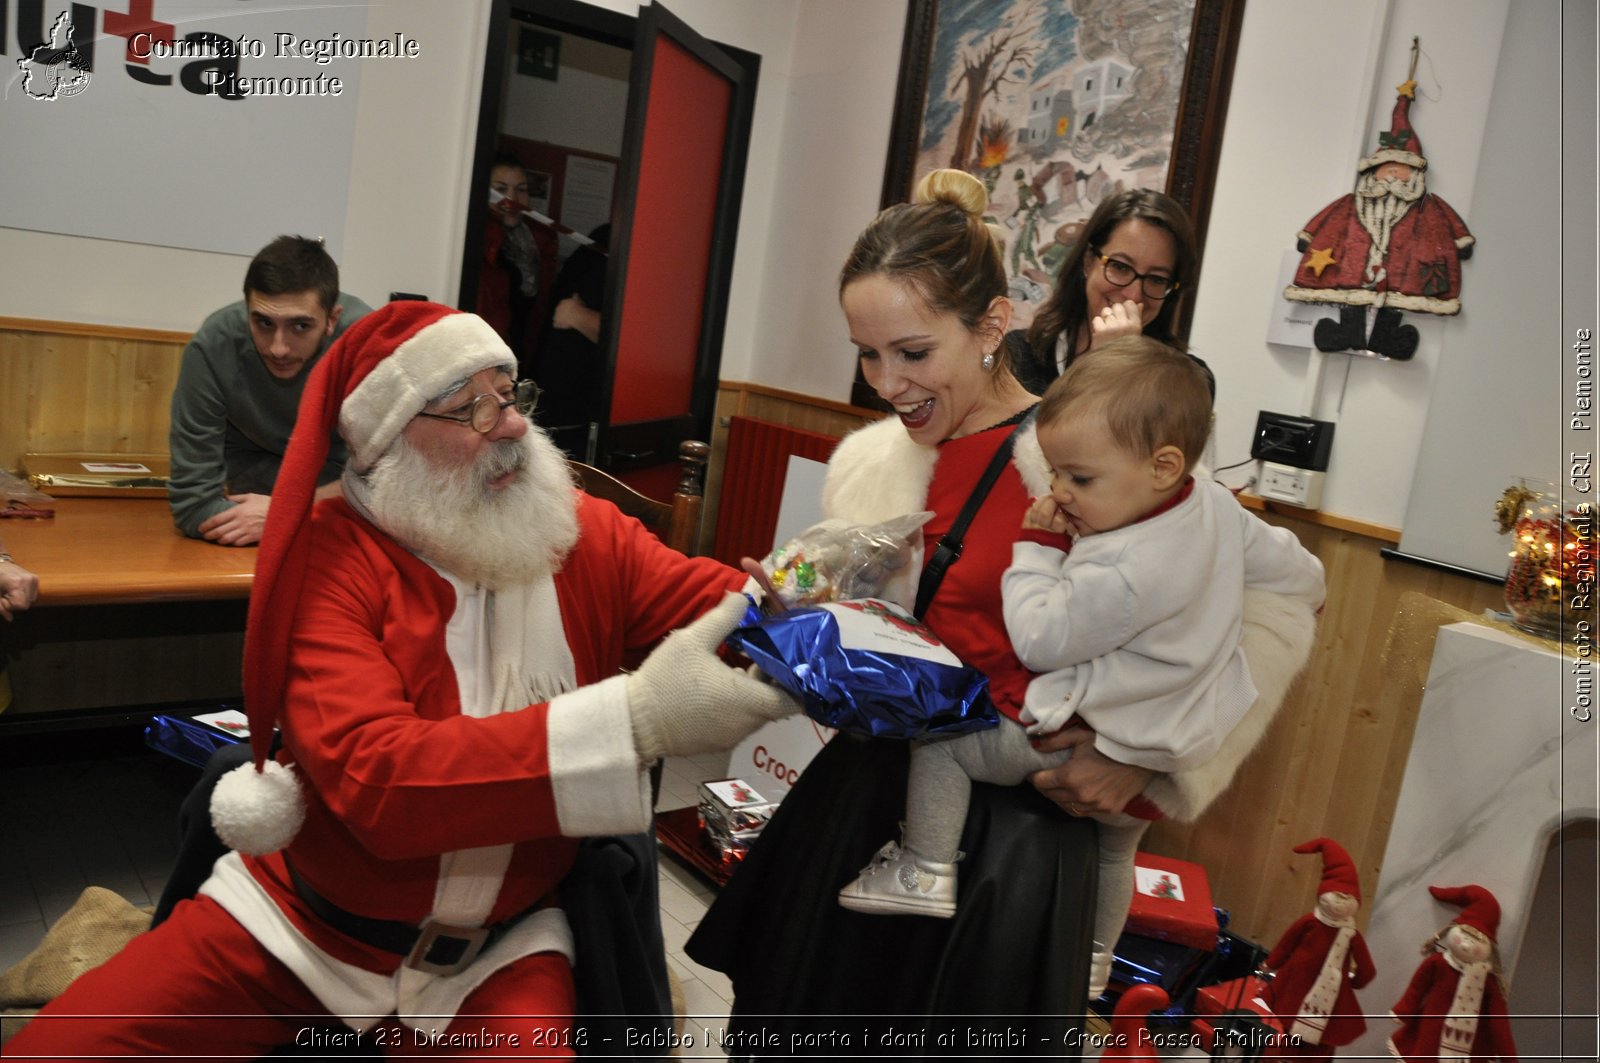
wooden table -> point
(105, 551)
(132, 617)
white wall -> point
(412, 168)
(1313, 86)
(583, 108)
(1490, 419)
(817, 149)
(405, 217)
(827, 180)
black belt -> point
(435, 947)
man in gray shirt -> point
(239, 390)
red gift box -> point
(1262, 1038)
(1172, 902)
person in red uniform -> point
(1321, 960)
(1455, 1006)
(1389, 244)
(441, 651)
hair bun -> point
(956, 187)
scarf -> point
(1323, 996)
(520, 252)
(1461, 1021)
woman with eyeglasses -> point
(1126, 275)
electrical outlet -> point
(1297, 441)
(1285, 483)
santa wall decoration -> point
(1390, 245)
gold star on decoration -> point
(1320, 259)
(1407, 88)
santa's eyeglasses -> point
(484, 412)
(1154, 285)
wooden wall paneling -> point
(768, 404)
(1306, 756)
(727, 407)
(1331, 763)
(69, 388)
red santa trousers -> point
(199, 985)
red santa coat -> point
(1422, 1009)
(397, 776)
(1423, 264)
(1297, 960)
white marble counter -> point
(1498, 763)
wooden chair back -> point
(675, 521)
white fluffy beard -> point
(497, 538)
(1381, 204)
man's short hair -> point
(294, 264)
(1150, 394)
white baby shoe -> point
(898, 882)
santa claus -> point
(1321, 961)
(1455, 1006)
(1389, 244)
(440, 649)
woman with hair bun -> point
(924, 294)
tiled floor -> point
(98, 809)
(707, 994)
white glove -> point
(685, 700)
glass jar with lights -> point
(1552, 552)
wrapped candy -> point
(835, 561)
(866, 666)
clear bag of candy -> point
(837, 561)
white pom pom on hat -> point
(258, 812)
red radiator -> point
(752, 483)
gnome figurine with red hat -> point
(1455, 1006)
(1321, 961)
(1389, 244)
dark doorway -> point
(647, 380)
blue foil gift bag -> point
(868, 667)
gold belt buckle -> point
(443, 948)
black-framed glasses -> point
(485, 411)
(1154, 285)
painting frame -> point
(1197, 137)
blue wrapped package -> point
(866, 666)
(189, 740)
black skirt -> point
(1007, 977)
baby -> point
(1126, 591)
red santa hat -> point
(1479, 909)
(1338, 870)
(374, 379)
(1400, 143)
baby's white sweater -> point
(1137, 630)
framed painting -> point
(1057, 104)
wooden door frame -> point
(621, 30)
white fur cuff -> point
(594, 768)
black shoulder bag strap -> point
(948, 552)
